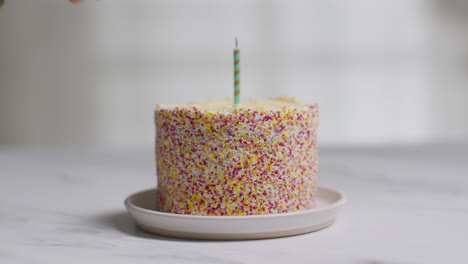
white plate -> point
(143, 207)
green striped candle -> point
(236, 76)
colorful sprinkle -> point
(246, 162)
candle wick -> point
(236, 42)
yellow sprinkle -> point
(208, 128)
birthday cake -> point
(212, 159)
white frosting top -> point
(226, 105)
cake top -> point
(226, 105)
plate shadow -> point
(122, 222)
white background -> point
(383, 72)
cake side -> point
(259, 159)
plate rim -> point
(236, 236)
(130, 205)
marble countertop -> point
(405, 205)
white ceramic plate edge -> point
(139, 206)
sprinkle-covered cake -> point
(213, 159)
